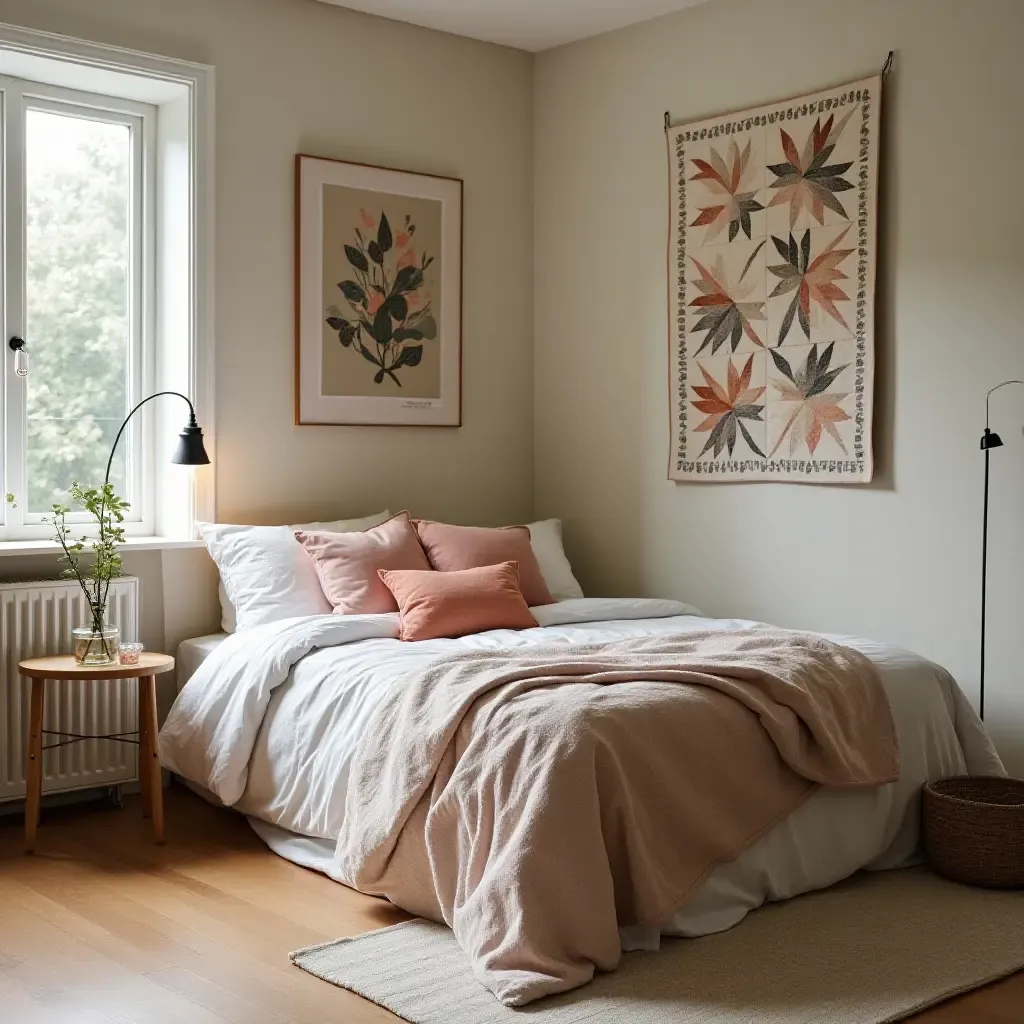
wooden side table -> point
(65, 667)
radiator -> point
(36, 619)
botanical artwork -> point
(379, 295)
(771, 268)
(388, 315)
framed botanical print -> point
(378, 295)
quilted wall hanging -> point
(772, 245)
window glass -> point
(78, 312)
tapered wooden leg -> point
(34, 765)
(147, 684)
(145, 751)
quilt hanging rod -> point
(886, 69)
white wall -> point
(898, 560)
(299, 76)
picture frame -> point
(378, 295)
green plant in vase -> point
(95, 643)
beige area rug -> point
(872, 950)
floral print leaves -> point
(726, 309)
(807, 180)
(809, 280)
(356, 258)
(390, 311)
(727, 181)
(346, 331)
(726, 408)
(381, 246)
(815, 408)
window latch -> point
(17, 346)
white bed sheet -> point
(294, 790)
(192, 653)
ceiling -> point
(525, 24)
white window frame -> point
(173, 103)
(19, 96)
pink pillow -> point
(451, 548)
(450, 604)
(347, 563)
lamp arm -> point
(110, 462)
(992, 391)
(113, 448)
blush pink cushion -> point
(347, 563)
(451, 548)
(450, 604)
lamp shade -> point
(191, 450)
(990, 439)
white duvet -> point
(271, 719)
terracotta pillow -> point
(347, 563)
(450, 604)
(451, 548)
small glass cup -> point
(129, 654)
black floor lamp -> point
(989, 440)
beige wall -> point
(898, 560)
(300, 76)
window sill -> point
(12, 548)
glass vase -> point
(94, 647)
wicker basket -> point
(974, 830)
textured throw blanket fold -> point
(535, 799)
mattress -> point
(192, 653)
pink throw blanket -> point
(536, 799)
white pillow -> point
(546, 541)
(265, 574)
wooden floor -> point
(103, 927)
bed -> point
(192, 653)
(269, 720)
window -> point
(78, 248)
(105, 246)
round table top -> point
(64, 666)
